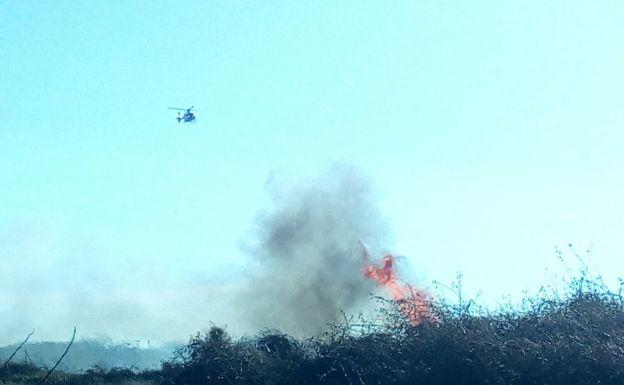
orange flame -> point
(413, 303)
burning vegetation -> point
(413, 303)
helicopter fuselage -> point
(188, 117)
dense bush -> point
(573, 338)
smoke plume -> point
(309, 254)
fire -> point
(413, 303)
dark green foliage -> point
(18, 370)
(30, 374)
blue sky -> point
(492, 131)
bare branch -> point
(59, 360)
(6, 363)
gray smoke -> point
(309, 254)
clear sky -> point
(493, 132)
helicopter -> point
(187, 117)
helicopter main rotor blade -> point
(174, 108)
